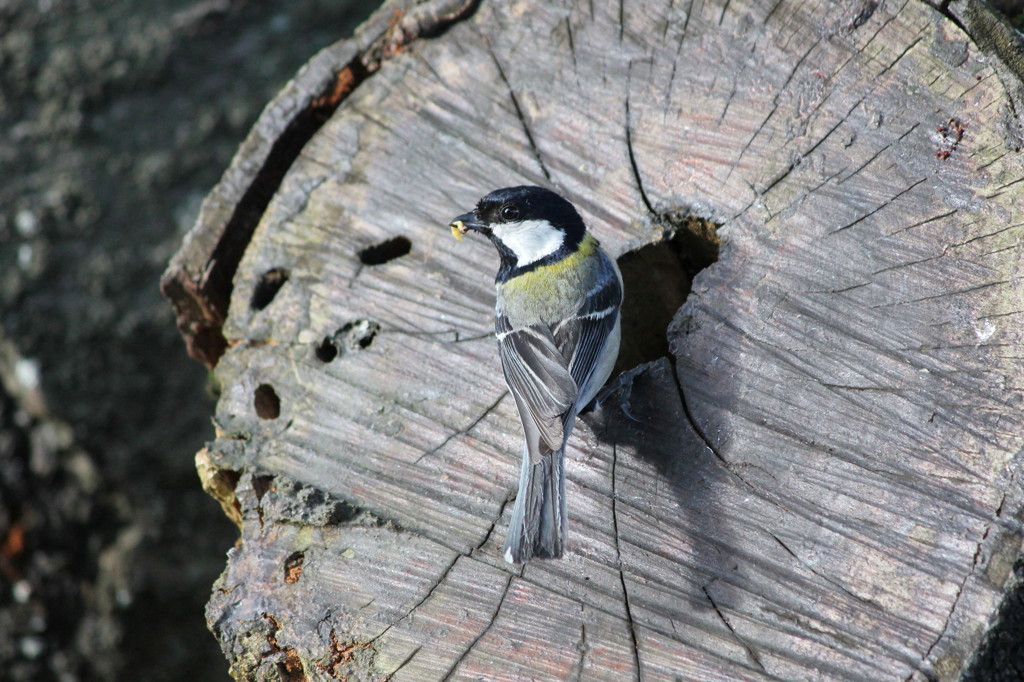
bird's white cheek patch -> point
(530, 240)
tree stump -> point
(813, 474)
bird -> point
(558, 326)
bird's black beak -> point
(464, 223)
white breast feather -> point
(530, 240)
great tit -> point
(556, 318)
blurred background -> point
(116, 119)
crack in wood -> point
(899, 57)
(984, 236)
(923, 222)
(728, 101)
(572, 47)
(404, 663)
(582, 647)
(463, 431)
(679, 47)
(945, 294)
(725, 8)
(520, 115)
(1012, 247)
(994, 316)
(938, 256)
(437, 584)
(831, 581)
(665, 610)
(796, 67)
(963, 93)
(852, 287)
(877, 154)
(668, 22)
(875, 210)
(921, 665)
(490, 623)
(853, 54)
(707, 442)
(399, 481)
(900, 479)
(618, 556)
(372, 118)
(629, 147)
(751, 653)
(878, 389)
(494, 524)
(433, 588)
(771, 12)
(845, 118)
(985, 165)
(785, 174)
(749, 142)
(755, 198)
(803, 155)
(1001, 626)
(455, 333)
(429, 66)
(1001, 188)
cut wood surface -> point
(818, 481)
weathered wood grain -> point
(822, 483)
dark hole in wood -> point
(354, 336)
(378, 254)
(657, 280)
(222, 487)
(358, 335)
(267, 287)
(215, 293)
(266, 402)
(293, 567)
(290, 669)
(228, 478)
(261, 485)
(326, 350)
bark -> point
(817, 478)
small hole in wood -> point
(389, 250)
(326, 350)
(266, 402)
(227, 479)
(267, 287)
(358, 335)
(261, 485)
(657, 279)
(293, 567)
(354, 336)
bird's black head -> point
(528, 203)
(530, 226)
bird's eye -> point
(509, 212)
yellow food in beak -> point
(458, 229)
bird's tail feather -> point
(540, 514)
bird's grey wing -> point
(538, 376)
(582, 337)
